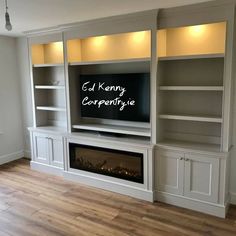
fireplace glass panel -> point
(115, 163)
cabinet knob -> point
(186, 159)
(181, 158)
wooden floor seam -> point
(38, 204)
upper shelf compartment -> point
(50, 54)
(110, 48)
(202, 40)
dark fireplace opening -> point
(115, 163)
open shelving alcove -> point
(121, 53)
(191, 70)
(47, 60)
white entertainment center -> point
(182, 155)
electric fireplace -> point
(115, 163)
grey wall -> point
(11, 137)
(25, 89)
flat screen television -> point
(123, 97)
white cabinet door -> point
(41, 148)
(201, 177)
(56, 150)
(169, 167)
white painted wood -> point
(113, 25)
(191, 88)
(202, 180)
(191, 146)
(41, 148)
(49, 129)
(51, 108)
(133, 142)
(114, 144)
(56, 151)
(212, 11)
(190, 57)
(153, 85)
(169, 169)
(49, 87)
(125, 189)
(115, 129)
(47, 65)
(219, 210)
(191, 118)
(201, 177)
(45, 37)
(48, 147)
(67, 85)
(109, 61)
(229, 78)
(46, 168)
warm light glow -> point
(98, 41)
(139, 37)
(196, 30)
(57, 45)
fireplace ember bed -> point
(115, 163)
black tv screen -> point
(116, 96)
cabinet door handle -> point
(186, 159)
(181, 158)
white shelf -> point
(190, 145)
(189, 57)
(191, 88)
(51, 129)
(192, 118)
(48, 65)
(49, 87)
(136, 131)
(109, 61)
(50, 108)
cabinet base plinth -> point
(200, 206)
(46, 168)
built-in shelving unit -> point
(186, 145)
(109, 54)
(49, 84)
(191, 85)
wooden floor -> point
(32, 203)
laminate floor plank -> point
(38, 204)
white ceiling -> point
(36, 14)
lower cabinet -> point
(194, 176)
(201, 177)
(48, 149)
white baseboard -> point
(233, 198)
(27, 154)
(11, 157)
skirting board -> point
(11, 157)
(233, 198)
(110, 186)
(27, 154)
(46, 168)
(204, 207)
